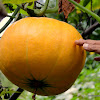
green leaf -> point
(17, 1)
(85, 2)
(10, 7)
(23, 12)
(95, 4)
(10, 91)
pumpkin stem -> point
(34, 95)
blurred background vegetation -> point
(87, 85)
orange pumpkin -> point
(39, 54)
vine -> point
(10, 20)
(41, 11)
(53, 10)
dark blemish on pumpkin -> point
(37, 84)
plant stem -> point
(90, 29)
(34, 95)
(42, 10)
(53, 10)
(10, 20)
(91, 5)
(86, 10)
(10, 16)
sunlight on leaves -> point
(17, 1)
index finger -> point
(80, 42)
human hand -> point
(90, 45)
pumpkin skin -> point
(39, 54)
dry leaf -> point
(2, 11)
(66, 7)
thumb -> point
(97, 58)
(89, 47)
(92, 48)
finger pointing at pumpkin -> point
(90, 45)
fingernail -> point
(85, 46)
(76, 41)
(80, 39)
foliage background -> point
(87, 85)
